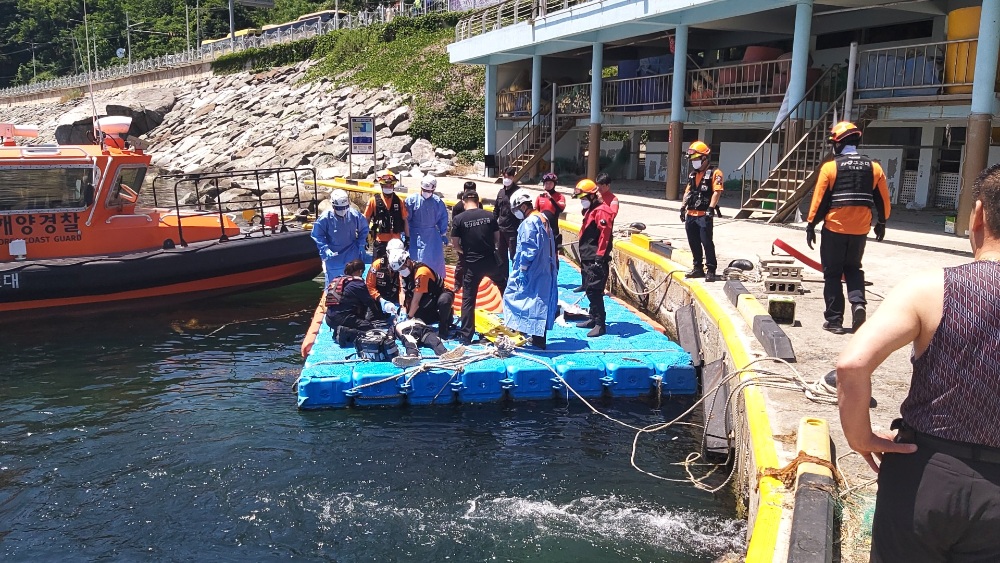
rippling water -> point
(147, 437)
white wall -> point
(994, 157)
(656, 164)
(732, 155)
(892, 164)
(611, 148)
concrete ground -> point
(915, 240)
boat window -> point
(125, 188)
(41, 188)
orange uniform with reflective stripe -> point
(853, 220)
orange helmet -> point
(842, 131)
(698, 149)
(584, 187)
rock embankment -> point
(253, 120)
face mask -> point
(585, 203)
(507, 182)
(387, 190)
(341, 212)
(426, 194)
(405, 272)
(696, 164)
(519, 214)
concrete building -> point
(760, 81)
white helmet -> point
(339, 199)
(429, 183)
(394, 244)
(519, 198)
(397, 258)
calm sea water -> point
(146, 438)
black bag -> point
(376, 346)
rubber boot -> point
(598, 330)
(589, 323)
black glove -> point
(718, 212)
(684, 214)
(811, 235)
(879, 231)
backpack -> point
(376, 346)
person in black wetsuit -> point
(348, 305)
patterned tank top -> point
(955, 391)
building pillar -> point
(634, 138)
(977, 136)
(800, 53)
(490, 143)
(927, 171)
(536, 84)
(596, 81)
(678, 115)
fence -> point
(927, 69)
(211, 51)
(508, 13)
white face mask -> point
(519, 214)
(426, 194)
(585, 203)
(387, 190)
(341, 212)
(696, 164)
(507, 182)
(404, 272)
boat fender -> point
(169, 244)
(376, 346)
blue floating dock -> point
(631, 360)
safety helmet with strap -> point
(698, 149)
(585, 187)
(844, 131)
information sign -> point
(362, 135)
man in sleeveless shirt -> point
(939, 477)
(848, 188)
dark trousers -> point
(415, 335)
(438, 311)
(459, 271)
(474, 274)
(505, 253)
(841, 257)
(352, 326)
(595, 276)
(935, 508)
(699, 233)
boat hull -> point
(156, 278)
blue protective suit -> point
(428, 220)
(532, 294)
(346, 236)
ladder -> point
(531, 143)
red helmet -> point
(550, 177)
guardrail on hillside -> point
(214, 50)
(508, 13)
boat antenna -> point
(90, 81)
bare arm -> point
(457, 243)
(415, 303)
(906, 315)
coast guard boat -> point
(74, 235)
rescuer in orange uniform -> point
(848, 188)
(701, 200)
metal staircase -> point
(531, 143)
(785, 165)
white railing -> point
(214, 50)
(507, 13)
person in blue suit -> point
(341, 234)
(532, 294)
(428, 217)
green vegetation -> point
(407, 54)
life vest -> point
(700, 195)
(386, 220)
(433, 292)
(855, 182)
(386, 281)
(335, 292)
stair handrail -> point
(791, 114)
(537, 121)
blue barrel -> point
(631, 375)
(678, 374)
(480, 382)
(430, 386)
(583, 372)
(528, 380)
(385, 393)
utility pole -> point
(232, 28)
(128, 39)
(197, 22)
(34, 70)
(187, 27)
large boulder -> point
(146, 107)
(422, 150)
